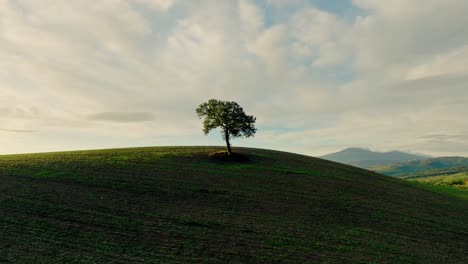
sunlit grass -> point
(459, 180)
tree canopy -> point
(229, 117)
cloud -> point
(444, 137)
(121, 117)
(316, 80)
(399, 34)
(158, 5)
(17, 131)
(251, 17)
(449, 63)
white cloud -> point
(251, 17)
(312, 27)
(316, 81)
(331, 53)
(399, 34)
(451, 63)
(270, 47)
(158, 5)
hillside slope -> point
(405, 169)
(434, 173)
(151, 205)
(459, 180)
(364, 158)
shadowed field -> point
(181, 204)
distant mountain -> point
(367, 159)
(418, 168)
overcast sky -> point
(318, 75)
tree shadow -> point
(223, 157)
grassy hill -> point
(434, 173)
(404, 169)
(151, 205)
(447, 175)
(459, 180)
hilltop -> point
(182, 204)
(364, 158)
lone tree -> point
(228, 116)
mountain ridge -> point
(365, 158)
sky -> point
(319, 75)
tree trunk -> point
(228, 145)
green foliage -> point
(228, 116)
(459, 180)
(178, 205)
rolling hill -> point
(430, 167)
(434, 173)
(184, 205)
(364, 158)
(459, 180)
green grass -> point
(433, 173)
(459, 180)
(443, 189)
(177, 204)
(456, 184)
(423, 168)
